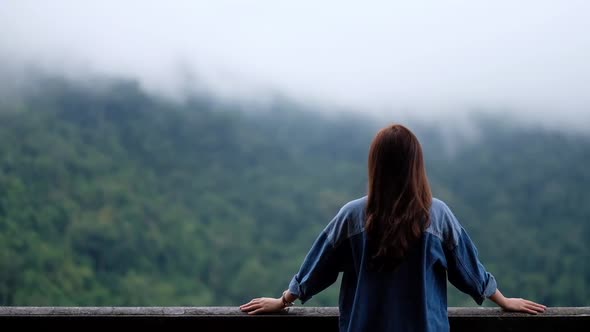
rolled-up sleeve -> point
(466, 272)
(321, 266)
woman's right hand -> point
(523, 305)
(517, 304)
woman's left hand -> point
(262, 305)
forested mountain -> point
(113, 196)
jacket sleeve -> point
(464, 269)
(323, 262)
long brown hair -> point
(399, 198)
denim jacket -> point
(412, 297)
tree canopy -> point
(113, 196)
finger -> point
(530, 311)
(529, 302)
(251, 301)
(251, 307)
(539, 307)
(257, 311)
(246, 309)
(535, 309)
(536, 304)
(246, 304)
(255, 301)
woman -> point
(396, 247)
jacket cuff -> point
(491, 287)
(295, 289)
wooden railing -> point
(301, 319)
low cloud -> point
(424, 59)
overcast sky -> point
(529, 57)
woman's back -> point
(411, 296)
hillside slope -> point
(112, 196)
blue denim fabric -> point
(413, 297)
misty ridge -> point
(289, 120)
(454, 126)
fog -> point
(430, 59)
